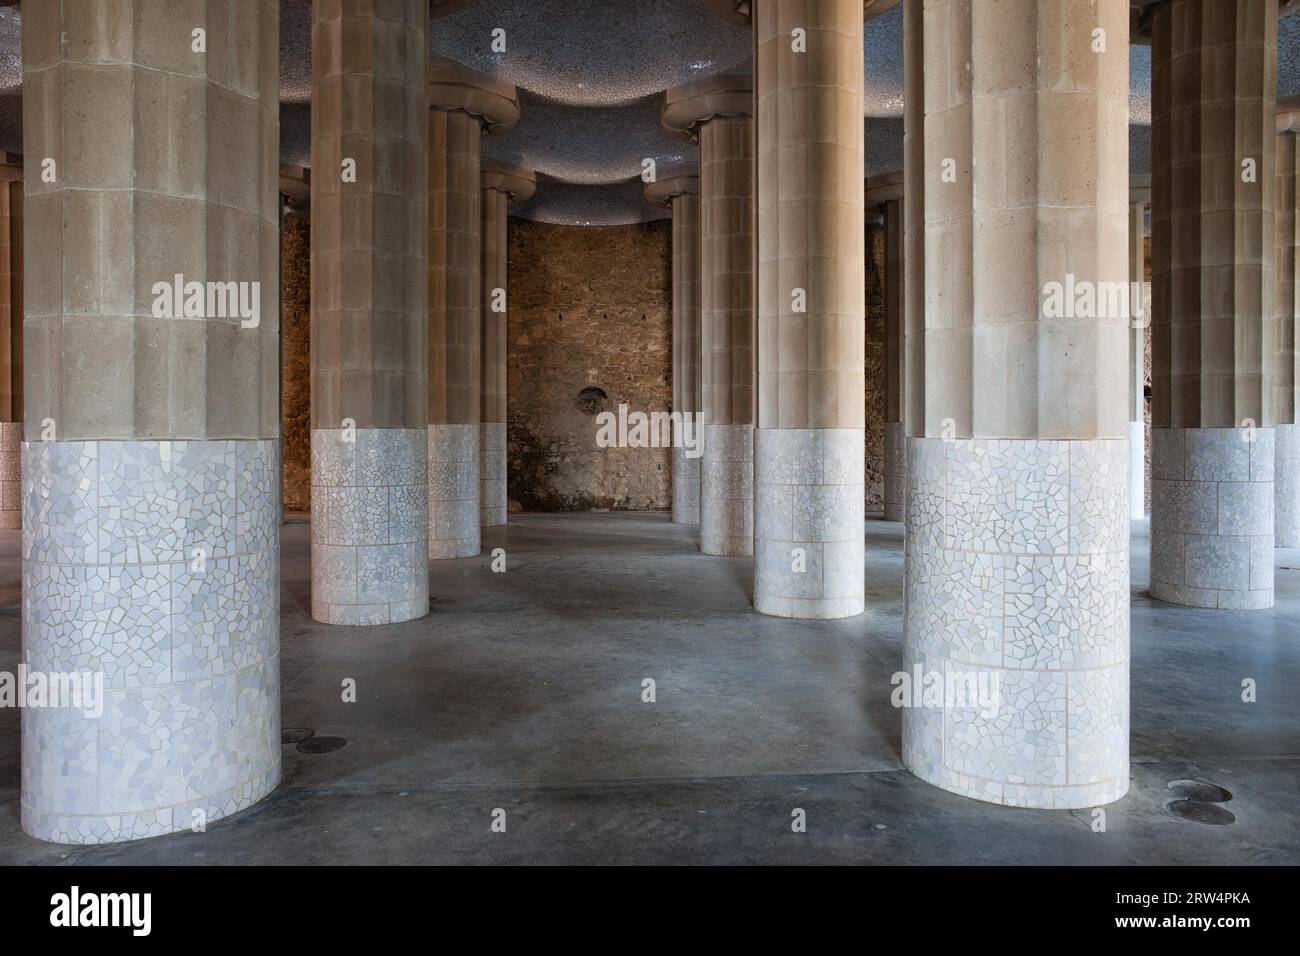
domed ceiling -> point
(591, 74)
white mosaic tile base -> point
(1137, 471)
(493, 498)
(11, 491)
(1017, 569)
(895, 470)
(453, 464)
(188, 643)
(686, 487)
(1286, 487)
(727, 490)
(1212, 517)
(808, 536)
(368, 525)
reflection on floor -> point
(522, 692)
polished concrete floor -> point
(522, 691)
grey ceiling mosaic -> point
(591, 74)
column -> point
(502, 184)
(809, 446)
(464, 106)
(1140, 322)
(1286, 472)
(1017, 572)
(150, 499)
(11, 339)
(681, 192)
(1213, 89)
(368, 224)
(886, 192)
(717, 112)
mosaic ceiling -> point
(591, 74)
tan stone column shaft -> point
(463, 105)
(1017, 566)
(809, 445)
(1286, 472)
(682, 193)
(151, 406)
(368, 234)
(501, 184)
(1213, 84)
(718, 113)
(11, 340)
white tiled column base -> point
(895, 470)
(188, 644)
(492, 474)
(1212, 517)
(727, 490)
(453, 491)
(686, 487)
(809, 511)
(1137, 471)
(368, 526)
(1286, 487)
(11, 453)
(1017, 571)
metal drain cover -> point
(1199, 812)
(321, 745)
(293, 735)
(1199, 791)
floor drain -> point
(1199, 791)
(293, 735)
(321, 745)
(1198, 812)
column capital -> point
(11, 167)
(689, 106)
(1140, 17)
(1139, 190)
(295, 186)
(517, 183)
(884, 188)
(684, 181)
(493, 102)
(1288, 114)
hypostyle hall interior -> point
(654, 431)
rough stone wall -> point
(875, 369)
(295, 371)
(588, 308)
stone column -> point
(11, 339)
(717, 112)
(1213, 85)
(150, 498)
(1139, 323)
(681, 192)
(368, 224)
(1286, 473)
(502, 184)
(886, 192)
(808, 449)
(1017, 573)
(463, 107)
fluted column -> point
(1213, 85)
(1286, 472)
(150, 479)
(1139, 326)
(1017, 573)
(11, 340)
(681, 192)
(886, 192)
(463, 107)
(717, 112)
(368, 225)
(502, 184)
